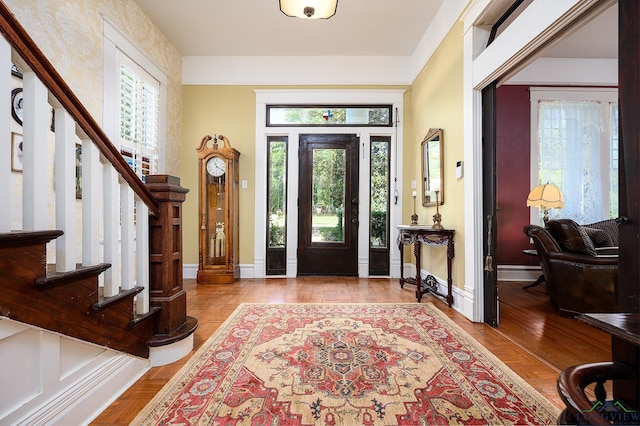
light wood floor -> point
(531, 338)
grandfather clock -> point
(218, 201)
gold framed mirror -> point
(432, 151)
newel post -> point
(165, 259)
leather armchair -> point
(579, 278)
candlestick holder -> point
(437, 217)
(414, 216)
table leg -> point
(401, 248)
(416, 252)
(449, 283)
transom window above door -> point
(329, 115)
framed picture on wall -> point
(16, 152)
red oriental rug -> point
(345, 364)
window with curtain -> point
(577, 151)
(139, 117)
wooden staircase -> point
(91, 292)
(126, 294)
(72, 303)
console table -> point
(418, 235)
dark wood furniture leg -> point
(539, 281)
(416, 253)
(450, 254)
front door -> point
(328, 205)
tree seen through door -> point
(328, 195)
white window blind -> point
(139, 116)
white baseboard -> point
(86, 398)
(518, 273)
(190, 271)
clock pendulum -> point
(219, 237)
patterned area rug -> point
(345, 364)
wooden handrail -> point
(22, 43)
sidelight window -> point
(379, 202)
(277, 205)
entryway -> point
(364, 125)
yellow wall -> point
(436, 100)
(221, 110)
(230, 111)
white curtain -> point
(569, 156)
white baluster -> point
(65, 190)
(91, 190)
(35, 176)
(142, 256)
(5, 138)
(128, 235)
(111, 230)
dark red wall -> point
(513, 133)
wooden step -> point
(105, 302)
(55, 279)
(23, 255)
(139, 319)
(22, 238)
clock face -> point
(216, 166)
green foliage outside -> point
(328, 193)
(333, 233)
(338, 116)
(379, 229)
(379, 193)
(277, 193)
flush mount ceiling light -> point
(309, 9)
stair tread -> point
(54, 278)
(104, 302)
(21, 238)
(153, 311)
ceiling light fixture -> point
(309, 9)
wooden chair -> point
(580, 409)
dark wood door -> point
(328, 205)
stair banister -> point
(33, 57)
(115, 244)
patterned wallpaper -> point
(70, 33)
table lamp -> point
(546, 196)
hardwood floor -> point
(532, 339)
